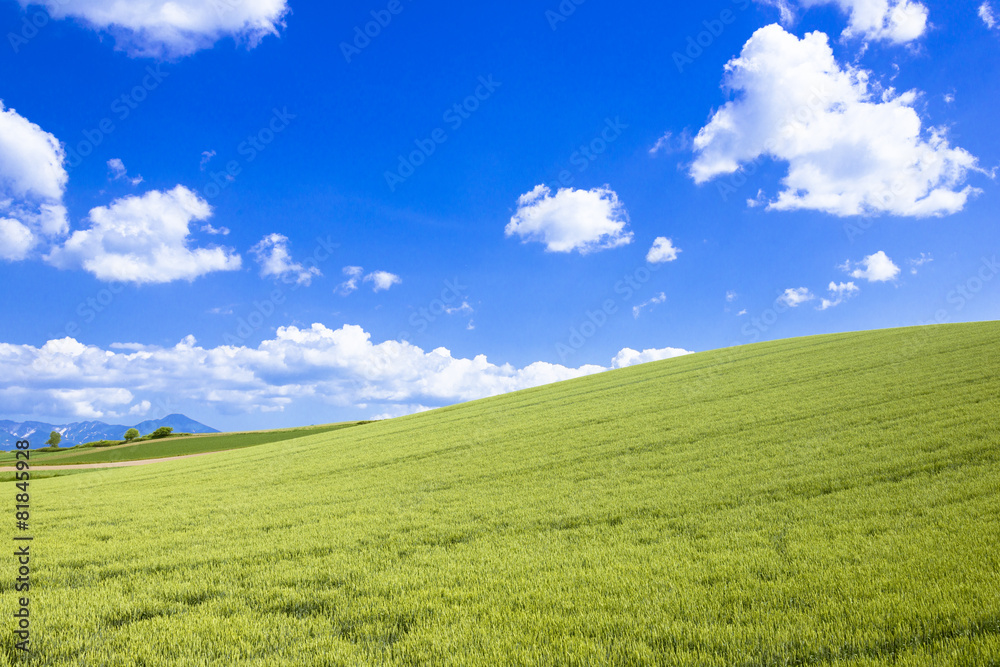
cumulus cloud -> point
(382, 280)
(796, 296)
(849, 150)
(275, 261)
(987, 14)
(117, 172)
(144, 239)
(32, 182)
(873, 268)
(897, 21)
(663, 250)
(16, 240)
(171, 28)
(581, 220)
(630, 357)
(658, 299)
(318, 365)
(838, 292)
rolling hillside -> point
(819, 501)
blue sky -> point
(253, 213)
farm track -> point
(113, 464)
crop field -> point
(830, 500)
(174, 446)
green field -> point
(166, 447)
(830, 500)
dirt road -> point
(115, 464)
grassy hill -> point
(820, 501)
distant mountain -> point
(80, 432)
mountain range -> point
(89, 431)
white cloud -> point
(660, 298)
(663, 250)
(144, 239)
(382, 280)
(630, 357)
(118, 172)
(215, 231)
(849, 151)
(315, 365)
(987, 15)
(731, 296)
(401, 411)
(581, 220)
(464, 309)
(838, 292)
(873, 268)
(742, 312)
(32, 182)
(897, 21)
(171, 28)
(206, 157)
(16, 240)
(925, 258)
(795, 296)
(275, 261)
(353, 273)
(785, 10)
(669, 143)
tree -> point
(54, 439)
(163, 432)
(131, 434)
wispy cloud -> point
(275, 261)
(658, 299)
(838, 292)
(117, 172)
